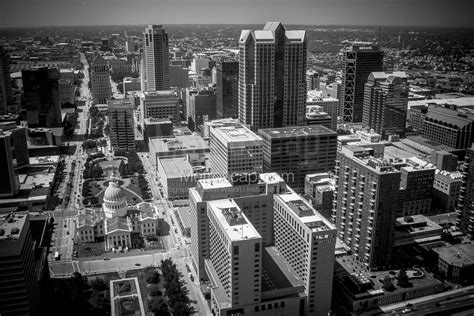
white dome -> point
(114, 193)
(115, 201)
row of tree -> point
(177, 293)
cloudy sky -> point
(337, 12)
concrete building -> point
(456, 262)
(41, 97)
(465, 206)
(272, 77)
(330, 105)
(253, 194)
(307, 241)
(227, 87)
(122, 125)
(160, 105)
(416, 230)
(449, 125)
(179, 77)
(235, 150)
(129, 302)
(6, 94)
(156, 58)
(319, 190)
(200, 106)
(100, 80)
(385, 103)
(157, 128)
(446, 190)
(199, 62)
(312, 80)
(294, 152)
(176, 176)
(131, 84)
(315, 115)
(358, 62)
(219, 122)
(66, 91)
(366, 205)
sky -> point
(451, 13)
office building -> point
(157, 128)
(385, 103)
(465, 207)
(179, 77)
(66, 91)
(319, 190)
(200, 106)
(156, 58)
(41, 97)
(235, 150)
(10, 184)
(449, 125)
(253, 194)
(122, 125)
(6, 95)
(131, 84)
(227, 88)
(176, 176)
(272, 77)
(312, 80)
(160, 105)
(219, 122)
(358, 62)
(315, 115)
(366, 205)
(446, 190)
(294, 152)
(307, 241)
(100, 80)
(199, 62)
(328, 104)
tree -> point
(125, 287)
(387, 283)
(153, 277)
(402, 278)
(99, 284)
(89, 144)
(154, 290)
(157, 305)
(99, 303)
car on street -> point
(137, 264)
(106, 258)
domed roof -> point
(114, 192)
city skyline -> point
(438, 13)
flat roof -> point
(160, 93)
(11, 225)
(312, 130)
(178, 142)
(277, 272)
(460, 102)
(215, 183)
(235, 134)
(459, 255)
(176, 167)
(244, 230)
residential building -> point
(41, 97)
(446, 190)
(294, 152)
(122, 125)
(359, 61)
(385, 103)
(6, 95)
(179, 76)
(465, 206)
(272, 77)
(366, 205)
(162, 104)
(312, 80)
(200, 106)
(307, 241)
(227, 88)
(156, 58)
(235, 150)
(100, 80)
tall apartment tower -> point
(465, 207)
(227, 89)
(307, 241)
(100, 80)
(6, 96)
(359, 61)
(156, 58)
(294, 152)
(122, 125)
(272, 77)
(366, 205)
(386, 103)
(41, 97)
(234, 150)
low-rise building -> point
(446, 189)
(177, 176)
(456, 262)
(416, 229)
(192, 146)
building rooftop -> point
(215, 183)
(152, 120)
(160, 93)
(458, 255)
(176, 167)
(448, 176)
(460, 102)
(11, 225)
(178, 143)
(233, 221)
(119, 103)
(235, 134)
(282, 132)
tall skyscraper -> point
(367, 204)
(359, 61)
(307, 241)
(156, 58)
(234, 150)
(162, 104)
(312, 80)
(100, 80)
(465, 207)
(227, 89)
(6, 97)
(41, 97)
(386, 103)
(200, 106)
(272, 77)
(294, 152)
(122, 125)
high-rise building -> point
(179, 77)
(100, 80)
(315, 115)
(359, 61)
(319, 190)
(272, 77)
(199, 62)
(307, 241)
(156, 58)
(6, 96)
(312, 80)
(366, 205)
(386, 103)
(41, 97)
(122, 125)
(10, 184)
(227, 88)
(235, 150)
(329, 105)
(162, 104)
(465, 207)
(252, 193)
(294, 152)
(200, 105)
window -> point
(257, 247)
(236, 250)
